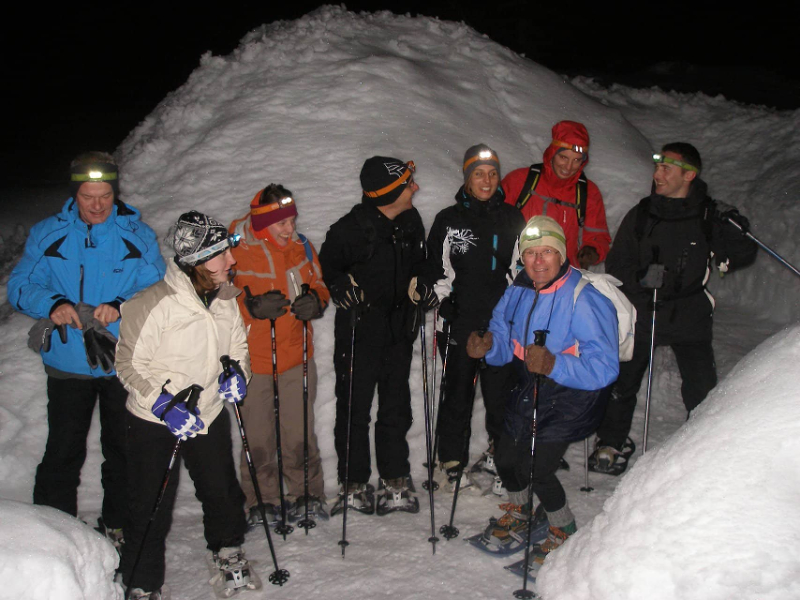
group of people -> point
(165, 346)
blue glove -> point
(182, 422)
(232, 385)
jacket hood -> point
(573, 133)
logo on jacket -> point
(460, 240)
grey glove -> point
(653, 277)
(266, 306)
(39, 336)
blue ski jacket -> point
(582, 334)
(66, 259)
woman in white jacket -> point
(172, 337)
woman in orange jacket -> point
(280, 272)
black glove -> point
(348, 296)
(266, 306)
(726, 212)
(448, 309)
(653, 277)
(101, 346)
(307, 306)
(422, 294)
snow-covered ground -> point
(711, 511)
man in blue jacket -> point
(77, 268)
(571, 372)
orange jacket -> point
(262, 265)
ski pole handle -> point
(540, 337)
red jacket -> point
(595, 228)
(263, 266)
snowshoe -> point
(140, 594)
(607, 459)
(446, 476)
(231, 573)
(255, 521)
(508, 534)
(518, 568)
(397, 495)
(112, 535)
(483, 473)
(316, 509)
(360, 499)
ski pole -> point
(193, 394)
(282, 528)
(586, 487)
(450, 531)
(442, 389)
(353, 320)
(650, 371)
(279, 576)
(539, 338)
(769, 250)
(428, 437)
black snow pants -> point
(69, 416)
(209, 460)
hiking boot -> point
(509, 533)
(254, 519)
(556, 536)
(447, 476)
(360, 497)
(140, 594)
(113, 535)
(397, 495)
(316, 509)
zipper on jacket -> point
(80, 291)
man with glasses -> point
(563, 344)
(369, 259)
(665, 251)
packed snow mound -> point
(47, 554)
(711, 514)
(305, 102)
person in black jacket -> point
(670, 243)
(368, 260)
(470, 248)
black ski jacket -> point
(382, 256)
(470, 252)
(683, 235)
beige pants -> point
(258, 414)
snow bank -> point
(47, 554)
(710, 515)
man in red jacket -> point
(559, 189)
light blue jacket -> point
(582, 334)
(64, 258)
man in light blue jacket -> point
(77, 268)
(564, 347)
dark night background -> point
(82, 76)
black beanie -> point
(383, 179)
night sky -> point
(80, 77)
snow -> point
(705, 514)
